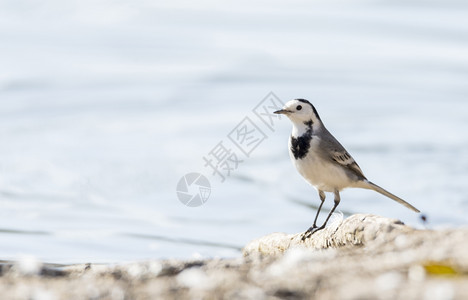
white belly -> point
(323, 175)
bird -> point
(322, 160)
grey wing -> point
(337, 153)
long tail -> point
(371, 186)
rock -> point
(358, 229)
(362, 257)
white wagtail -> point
(322, 160)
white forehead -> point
(294, 103)
(291, 102)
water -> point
(105, 105)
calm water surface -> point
(105, 105)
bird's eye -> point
(298, 107)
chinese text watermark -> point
(222, 160)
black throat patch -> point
(300, 145)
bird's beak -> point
(282, 111)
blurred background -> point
(105, 105)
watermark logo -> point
(265, 108)
(193, 189)
(247, 136)
(222, 159)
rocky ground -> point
(361, 257)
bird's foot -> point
(309, 232)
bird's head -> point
(300, 111)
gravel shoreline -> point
(361, 257)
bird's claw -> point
(309, 232)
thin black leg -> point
(309, 232)
(337, 201)
(322, 199)
(311, 229)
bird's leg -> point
(309, 232)
(322, 199)
(337, 201)
(311, 229)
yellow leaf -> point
(437, 268)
